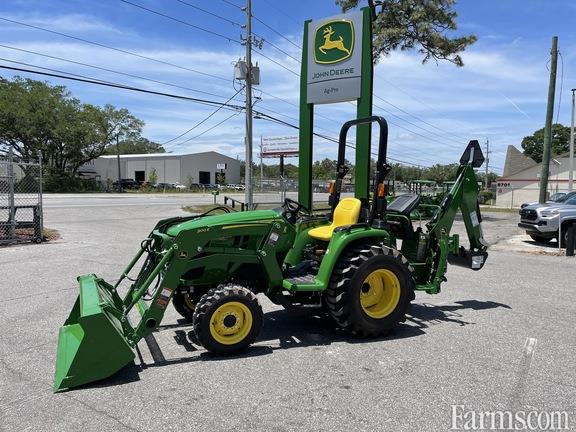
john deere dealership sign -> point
(334, 59)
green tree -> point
(324, 169)
(30, 112)
(38, 118)
(441, 173)
(415, 24)
(137, 145)
(120, 126)
(533, 145)
(153, 176)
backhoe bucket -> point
(92, 343)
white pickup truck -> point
(544, 222)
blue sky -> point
(434, 109)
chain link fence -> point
(20, 200)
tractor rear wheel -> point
(227, 319)
(185, 302)
(370, 290)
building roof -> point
(516, 161)
(160, 155)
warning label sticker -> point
(474, 218)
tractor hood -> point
(248, 217)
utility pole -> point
(571, 164)
(487, 163)
(248, 139)
(548, 125)
(118, 159)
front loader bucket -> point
(92, 343)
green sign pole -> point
(364, 109)
(306, 131)
(364, 104)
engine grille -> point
(528, 214)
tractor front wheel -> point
(370, 290)
(227, 319)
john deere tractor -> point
(361, 263)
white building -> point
(520, 182)
(199, 168)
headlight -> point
(549, 213)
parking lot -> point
(502, 338)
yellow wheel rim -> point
(231, 323)
(380, 293)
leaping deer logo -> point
(332, 44)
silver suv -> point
(543, 222)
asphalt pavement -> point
(464, 346)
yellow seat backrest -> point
(347, 212)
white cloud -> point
(499, 94)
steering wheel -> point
(292, 209)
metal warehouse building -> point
(184, 168)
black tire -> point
(185, 302)
(348, 284)
(539, 239)
(227, 319)
(564, 231)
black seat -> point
(404, 204)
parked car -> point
(544, 222)
(126, 183)
(557, 197)
(172, 185)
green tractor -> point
(211, 267)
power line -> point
(419, 119)
(206, 131)
(53, 70)
(376, 96)
(232, 4)
(237, 24)
(273, 6)
(229, 39)
(328, 138)
(111, 71)
(215, 15)
(121, 86)
(279, 64)
(114, 49)
(277, 32)
(180, 67)
(203, 120)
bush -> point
(68, 183)
(485, 197)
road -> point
(465, 346)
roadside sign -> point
(273, 147)
(334, 59)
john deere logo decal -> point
(334, 42)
